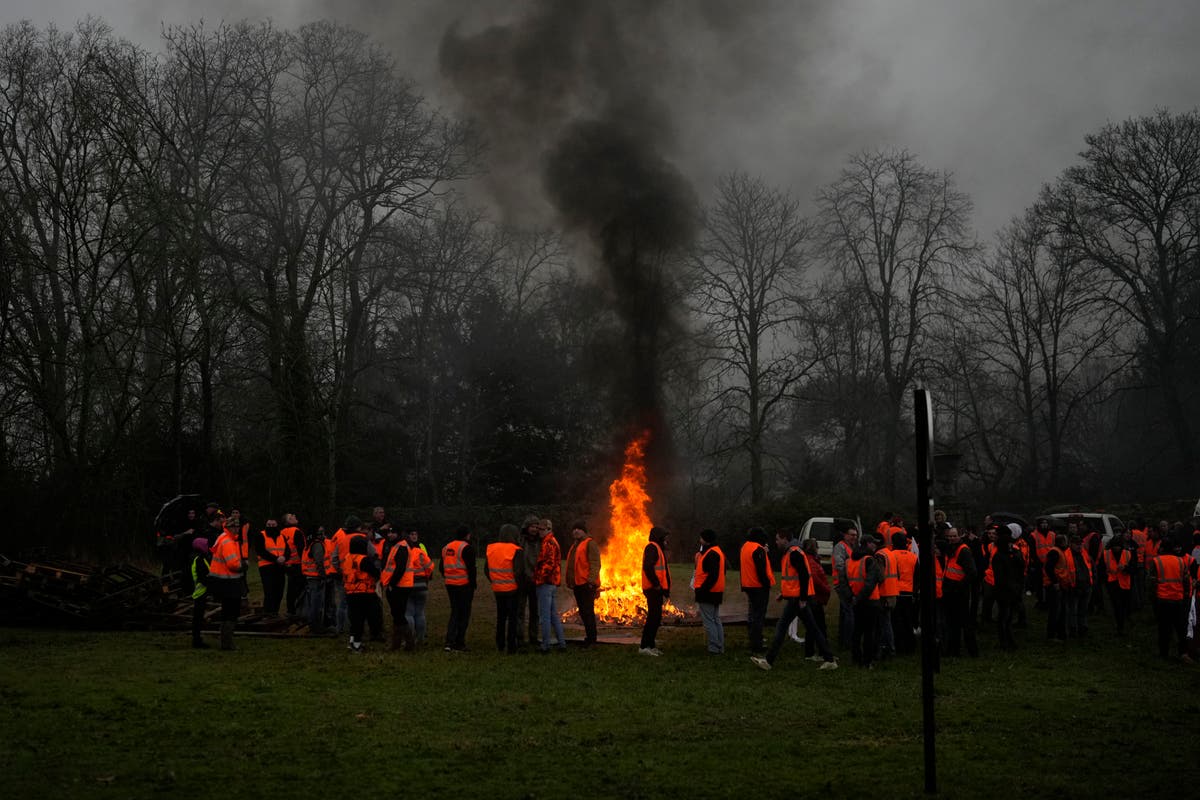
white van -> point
(1105, 524)
(823, 529)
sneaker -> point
(656, 651)
(760, 662)
(357, 647)
(649, 651)
(447, 649)
(816, 657)
(828, 665)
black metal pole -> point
(923, 409)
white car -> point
(1106, 524)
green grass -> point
(142, 715)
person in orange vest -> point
(1169, 580)
(1043, 540)
(294, 538)
(656, 587)
(422, 566)
(957, 584)
(1080, 566)
(864, 575)
(889, 591)
(796, 589)
(316, 564)
(1118, 569)
(708, 581)
(1140, 534)
(397, 578)
(841, 552)
(530, 541)
(360, 572)
(547, 576)
(225, 574)
(1056, 580)
(504, 567)
(583, 576)
(458, 571)
(271, 547)
(339, 552)
(904, 617)
(992, 534)
(754, 569)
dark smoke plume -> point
(566, 94)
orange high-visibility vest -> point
(954, 571)
(356, 580)
(1152, 548)
(309, 565)
(1073, 567)
(420, 565)
(582, 570)
(454, 566)
(702, 576)
(660, 570)
(1064, 575)
(989, 577)
(789, 578)
(500, 557)
(856, 574)
(749, 575)
(276, 545)
(1171, 572)
(289, 537)
(906, 569)
(890, 586)
(390, 567)
(939, 577)
(1115, 569)
(226, 558)
(1042, 544)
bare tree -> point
(1133, 209)
(894, 229)
(748, 267)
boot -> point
(227, 635)
(410, 641)
(396, 637)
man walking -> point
(757, 578)
(795, 588)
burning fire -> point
(621, 600)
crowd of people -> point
(340, 583)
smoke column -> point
(565, 97)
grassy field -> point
(142, 715)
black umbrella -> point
(172, 517)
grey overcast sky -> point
(999, 92)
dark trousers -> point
(461, 598)
(904, 619)
(272, 576)
(792, 610)
(364, 609)
(398, 604)
(1004, 621)
(756, 615)
(527, 614)
(295, 588)
(507, 621)
(818, 614)
(960, 625)
(1056, 613)
(1172, 622)
(654, 606)
(585, 599)
(199, 606)
(1120, 604)
(862, 647)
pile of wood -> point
(56, 593)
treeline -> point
(247, 265)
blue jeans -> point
(314, 604)
(547, 597)
(714, 631)
(415, 613)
